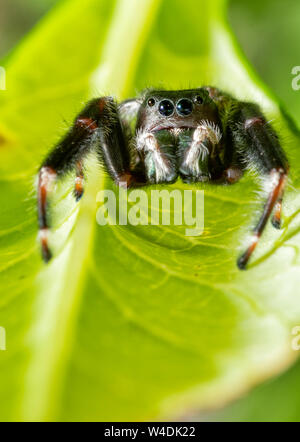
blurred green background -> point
(268, 35)
(17, 17)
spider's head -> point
(175, 109)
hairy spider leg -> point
(47, 176)
(269, 205)
(79, 181)
(97, 127)
(276, 220)
(259, 146)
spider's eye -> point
(184, 107)
(151, 102)
(166, 108)
(198, 99)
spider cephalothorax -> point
(198, 135)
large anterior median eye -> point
(184, 107)
(166, 108)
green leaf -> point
(134, 323)
(274, 401)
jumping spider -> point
(198, 134)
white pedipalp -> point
(198, 151)
(147, 142)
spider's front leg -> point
(260, 148)
(97, 127)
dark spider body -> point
(198, 135)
